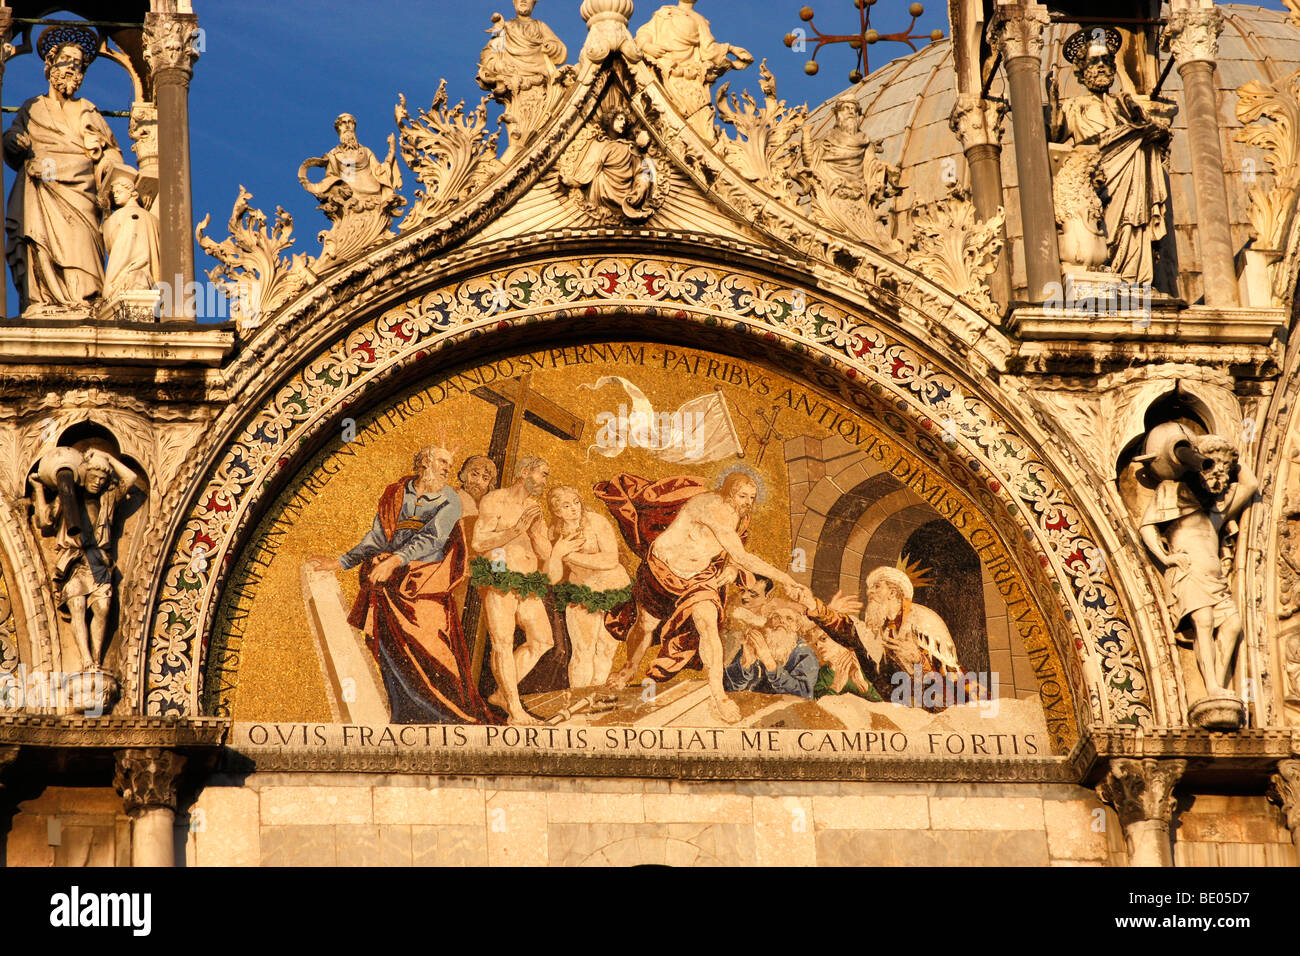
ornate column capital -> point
(1284, 790)
(607, 30)
(1142, 791)
(169, 43)
(8, 754)
(1017, 30)
(976, 121)
(1193, 34)
(146, 778)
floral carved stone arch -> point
(710, 306)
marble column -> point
(169, 52)
(1017, 32)
(977, 124)
(1192, 35)
(1142, 793)
(6, 51)
(146, 779)
(1284, 790)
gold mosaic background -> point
(266, 668)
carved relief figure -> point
(62, 151)
(522, 66)
(589, 583)
(411, 562)
(357, 193)
(679, 44)
(1190, 528)
(615, 171)
(130, 237)
(76, 497)
(514, 543)
(849, 183)
(689, 539)
(1131, 132)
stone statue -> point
(678, 43)
(849, 184)
(1131, 132)
(62, 150)
(522, 66)
(615, 171)
(1190, 527)
(76, 496)
(130, 237)
(358, 193)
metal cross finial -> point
(859, 41)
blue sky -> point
(274, 74)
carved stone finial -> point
(1017, 29)
(607, 30)
(1193, 34)
(1284, 790)
(169, 42)
(977, 121)
(1142, 793)
(146, 778)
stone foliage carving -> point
(1142, 790)
(1131, 134)
(8, 638)
(678, 42)
(147, 778)
(952, 246)
(1284, 790)
(1272, 205)
(1193, 33)
(977, 121)
(169, 42)
(522, 68)
(252, 273)
(358, 193)
(1190, 528)
(1076, 195)
(452, 153)
(767, 151)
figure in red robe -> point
(411, 563)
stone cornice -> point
(111, 733)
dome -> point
(906, 104)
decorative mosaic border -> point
(700, 304)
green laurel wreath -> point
(601, 602)
(533, 584)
